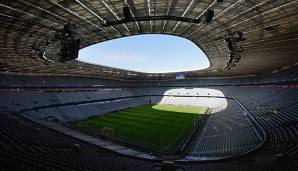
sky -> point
(150, 53)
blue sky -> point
(152, 53)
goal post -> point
(107, 131)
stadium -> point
(59, 113)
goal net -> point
(107, 131)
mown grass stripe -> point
(157, 127)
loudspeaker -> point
(209, 14)
(70, 50)
(126, 13)
(70, 44)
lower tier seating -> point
(28, 146)
(227, 133)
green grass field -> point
(157, 127)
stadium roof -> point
(269, 28)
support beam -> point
(151, 18)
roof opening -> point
(149, 53)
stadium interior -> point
(57, 113)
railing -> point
(260, 130)
(197, 130)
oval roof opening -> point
(149, 53)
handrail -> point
(197, 130)
(260, 130)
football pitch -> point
(159, 128)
